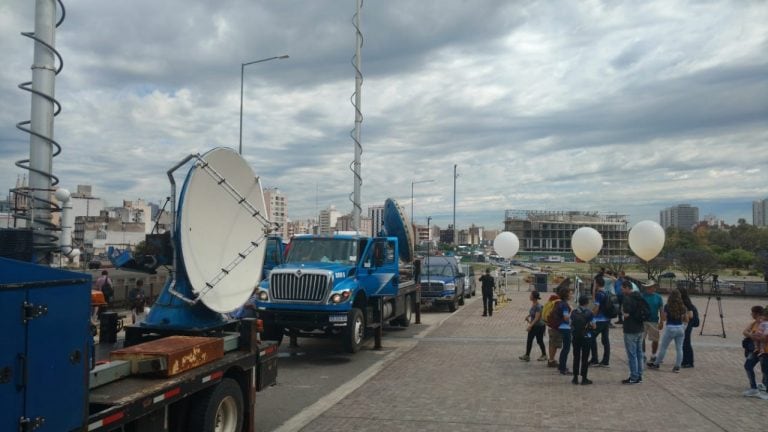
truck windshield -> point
(439, 270)
(343, 251)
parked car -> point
(508, 272)
(670, 275)
(442, 282)
(470, 283)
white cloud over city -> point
(625, 107)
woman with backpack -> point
(536, 327)
(693, 322)
(676, 317)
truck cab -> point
(338, 285)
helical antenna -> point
(355, 133)
(40, 126)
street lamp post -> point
(242, 73)
(413, 225)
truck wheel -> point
(405, 318)
(461, 301)
(273, 333)
(355, 331)
(219, 409)
(452, 306)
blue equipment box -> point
(44, 347)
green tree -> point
(698, 265)
(738, 258)
(656, 266)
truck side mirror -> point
(461, 275)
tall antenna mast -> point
(355, 166)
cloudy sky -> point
(625, 107)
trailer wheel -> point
(219, 409)
(355, 331)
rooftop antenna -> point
(355, 133)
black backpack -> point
(610, 305)
(642, 310)
(580, 320)
(107, 289)
(695, 319)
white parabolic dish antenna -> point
(222, 241)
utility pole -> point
(455, 175)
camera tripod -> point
(716, 292)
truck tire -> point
(452, 306)
(405, 319)
(273, 333)
(461, 301)
(355, 331)
(218, 409)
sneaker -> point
(485, 314)
(753, 392)
(586, 381)
(525, 358)
(686, 366)
(629, 381)
(542, 358)
(575, 380)
(653, 359)
(640, 379)
(676, 369)
(763, 395)
(594, 363)
(565, 372)
(761, 387)
(604, 365)
(652, 365)
(552, 363)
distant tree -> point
(761, 263)
(738, 258)
(656, 266)
(698, 265)
(677, 240)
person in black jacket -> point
(488, 283)
(633, 332)
(687, 347)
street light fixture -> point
(413, 225)
(242, 73)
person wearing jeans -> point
(564, 313)
(676, 317)
(633, 333)
(602, 325)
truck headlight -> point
(263, 295)
(340, 297)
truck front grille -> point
(304, 287)
(432, 287)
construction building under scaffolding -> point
(549, 232)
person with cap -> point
(487, 285)
(536, 327)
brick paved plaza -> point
(465, 376)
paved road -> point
(463, 374)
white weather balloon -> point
(506, 244)
(586, 243)
(646, 239)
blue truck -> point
(442, 282)
(343, 285)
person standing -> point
(581, 320)
(692, 322)
(536, 327)
(137, 301)
(676, 316)
(104, 284)
(487, 285)
(601, 325)
(652, 333)
(617, 289)
(563, 314)
(752, 356)
(633, 332)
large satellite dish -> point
(396, 224)
(223, 229)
